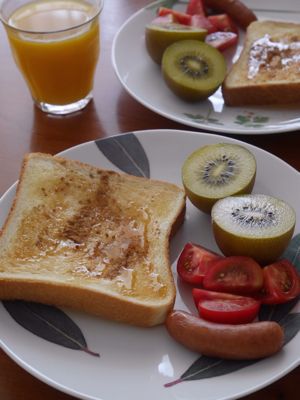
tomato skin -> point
(195, 7)
(203, 294)
(235, 8)
(235, 274)
(222, 40)
(200, 21)
(281, 282)
(225, 308)
(180, 17)
(194, 262)
(223, 23)
(165, 19)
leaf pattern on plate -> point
(292, 253)
(250, 120)
(204, 118)
(127, 153)
(280, 312)
(291, 325)
(209, 367)
(276, 312)
(49, 323)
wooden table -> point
(23, 128)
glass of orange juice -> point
(55, 44)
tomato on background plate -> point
(225, 308)
(200, 21)
(223, 23)
(165, 19)
(203, 294)
(235, 274)
(180, 17)
(281, 282)
(222, 40)
(194, 262)
(195, 7)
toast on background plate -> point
(90, 239)
(268, 69)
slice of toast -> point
(91, 239)
(268, 69)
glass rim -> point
(6, 24)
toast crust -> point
(79, 298)
(262, 94)
(91, 239)
(267, 71)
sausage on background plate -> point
(237, 342)
(237, 10)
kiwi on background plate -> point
(159, 36)
(255, 225)
(215, 171)
(192, 69)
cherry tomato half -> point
(200, 21)
(223, 23)
(235, 274)
(180, 17)
(221, 40)
(165, 19)
(193, 263)
(225, 308)
(203, 294)
(281, 282)
(195, 7)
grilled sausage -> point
(237, 10)
(237, 342)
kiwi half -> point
(159, 36)
(193, 70)
(215, 171)
(257, 225)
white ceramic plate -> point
(141, 77)
(135, 363)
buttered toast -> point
(268, 69)
(90, 239)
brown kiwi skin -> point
(264, 251)
(192, 97)
(157, 41)
(205, 204)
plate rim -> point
(68, 390)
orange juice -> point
(56, 45)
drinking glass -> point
(55, 44)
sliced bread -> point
(268, 69)
(91, 239)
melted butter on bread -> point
(268, 68)
(90, 239)
(81, 222)
(271, 57)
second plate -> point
(142, 79)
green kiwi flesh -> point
(255, 225)
(159, 36)
(215, 171)
(192, 69)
